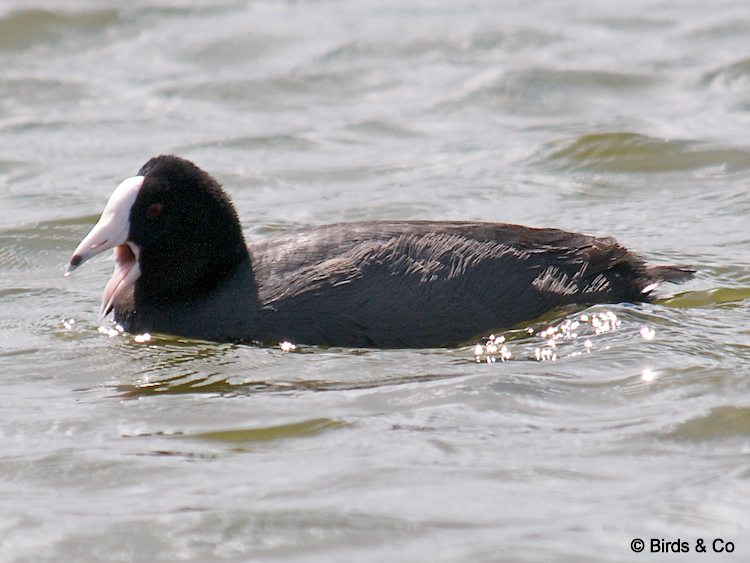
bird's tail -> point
(674, 273)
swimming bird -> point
(182, 267)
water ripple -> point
(625, 152)
(545, 90)
(719, 423)
(28, 28)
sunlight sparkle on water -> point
(111, 331)
(493, 350)
(605, 322)
(648, 375)
(556, 341)
(287, 347)
(647, 333)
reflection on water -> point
(174, 366)
(208, 384)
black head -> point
(187, 230)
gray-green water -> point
(629, 119)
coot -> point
(182, 267)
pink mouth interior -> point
(124, 254)
(125, 274)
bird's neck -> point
(200, 314)
(175, 277)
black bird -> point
(182, 267)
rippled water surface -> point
(590, 429)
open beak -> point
(112, 232)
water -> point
(627, 119)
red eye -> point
(154, 210)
